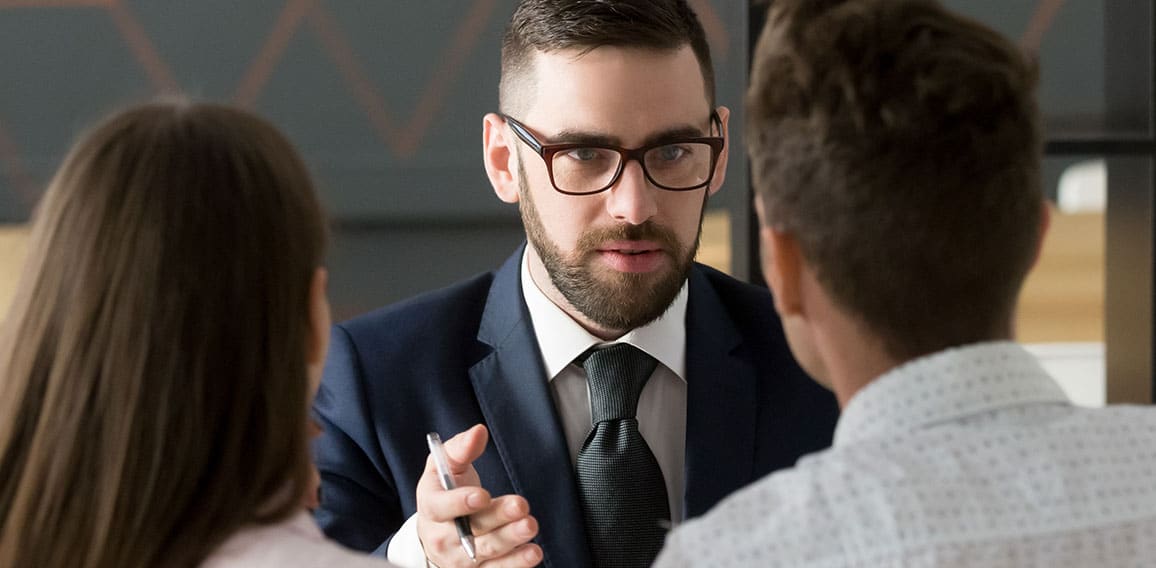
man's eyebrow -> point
(570, 136)
(599, 139)
(676, 133)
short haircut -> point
(555, 25)
(154, 390)
(899, 144)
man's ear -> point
(499, 157)
(783, 268)
(720, 168)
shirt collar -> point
(561, 339)
(945, 386)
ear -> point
(720, 168)
(783, 268)
(499, 157)
(319, 322)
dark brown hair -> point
(153, 385)
(583, 25)
(899, 143)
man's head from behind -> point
(897, 145)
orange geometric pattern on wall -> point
(403, 139)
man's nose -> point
(631, 199)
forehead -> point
(625, 92)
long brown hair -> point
(153, 389)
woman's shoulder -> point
(294, 542)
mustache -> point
(647, 231)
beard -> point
(612, 300)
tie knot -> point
(616, 375)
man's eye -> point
(670, 153)
(584, 154)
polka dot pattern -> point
(969, 457)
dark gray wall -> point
(384, 98)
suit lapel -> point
(720, 401)
(515, 399)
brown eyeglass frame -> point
(547, 152)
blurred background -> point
(384, 98)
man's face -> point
(616, 258)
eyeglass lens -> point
(682, 165)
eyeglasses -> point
(682, 164)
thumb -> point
(464, 448)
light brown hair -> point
(899, 144)
(153, 387)
(583, 25)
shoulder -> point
(391, 354)
(738, 297)
(725, 282)
(293, 543)
(721, 304)
(794, 410)
(452, 305)
(780, 520)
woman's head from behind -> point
(153, 370)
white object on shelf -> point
(1083, 187)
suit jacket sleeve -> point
(360, 507)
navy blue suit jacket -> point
(467, 354)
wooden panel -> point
(1063, 298)
(715, 247)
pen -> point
(462, 523)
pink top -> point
(295, 542)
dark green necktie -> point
(622, 489)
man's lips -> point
(630, 247)
(632, 256)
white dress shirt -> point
(293, 543)
(968, 457)
(661, 406)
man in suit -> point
(895, 150)
(610, 142)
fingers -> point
(464, 448)
(435, 503)
(442, 506)
(502, 527)
(503, 531)
(500, 512)
(504, 538)
(506, 544)
(524, 556)
(436, 511)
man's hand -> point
(502, 526)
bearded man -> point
(604, 386)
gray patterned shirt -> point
(968, 457)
